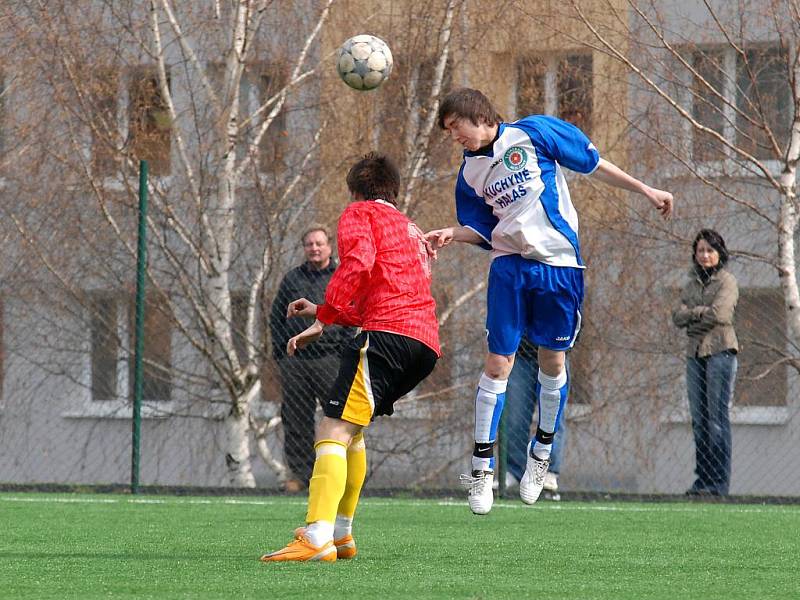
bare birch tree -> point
(206, 85)
(223, 101)
(715, 95)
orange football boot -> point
(300, 549)
(345, 547)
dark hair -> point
(469, 104)
(374, 177)
(714, 240)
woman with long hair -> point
(706, 311)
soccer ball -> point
(364, 62)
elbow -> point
(717, 317)
(680, 319)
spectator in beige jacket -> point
(706, 311)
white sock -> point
(541, 451)
(343, 527)
(550, 394)
(319, 533)
(488, 405)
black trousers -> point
(304, 383)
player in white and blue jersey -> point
(512, 198)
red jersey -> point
(383, 282)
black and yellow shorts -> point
(376, 369)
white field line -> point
(460, 504)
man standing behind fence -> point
(307, 376)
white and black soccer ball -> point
(364, 62)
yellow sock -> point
(356, 473)
(327, 481)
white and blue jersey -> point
(514, 195)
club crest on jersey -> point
(515, 158)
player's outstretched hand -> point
(662, 201)
(440, 237)
(304, 338)
(429, 248)
(301, 308)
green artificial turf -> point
(116, 546)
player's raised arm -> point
(611, 174)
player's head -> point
(469, 117)
(374, 177)
(317, 245)
(708, 250)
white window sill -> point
(122, 409)
(113, 183)
(414, 408)
(713, 169)
(119, 409)
(740, 415)
(577, 411)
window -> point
(558, 86)
(104, 95)
(411, 86)
(157, 355)
(104, 345)
(762, 379)
(149, 123)
(764, 94)
(3, 92)
(258, 84)
(707, 89)
(575, 90)
(107, 326)
(2, 349)
(274, 142)
(736, 95)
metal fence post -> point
(141, 261)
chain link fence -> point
(65, 416)
(223, 406)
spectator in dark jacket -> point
(307, 376)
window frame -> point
(120, 406)
(258, 82)
(553, 64)
(107, 164)
(135, 77)
(726, 165)
(2, 352)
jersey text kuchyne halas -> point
(514, 195)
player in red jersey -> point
(383, 286)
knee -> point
(336, 429)
(551, 362)
(498, 366)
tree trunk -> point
(237, 451)
(786, 262)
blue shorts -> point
(532, 298)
